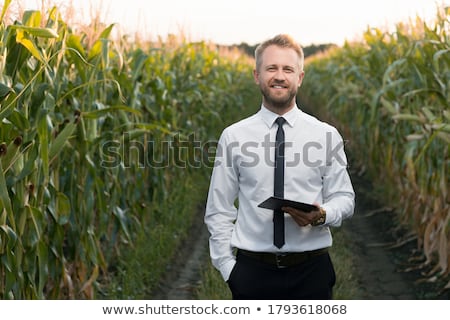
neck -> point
(279, 109)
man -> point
(259, 256)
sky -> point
(253, 21)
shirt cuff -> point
(328, 216)
(226, 268)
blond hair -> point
(282, 41)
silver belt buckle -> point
(278, 257)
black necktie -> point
(278, 215)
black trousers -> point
(311, 280)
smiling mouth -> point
(277, 86)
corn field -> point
(85, 122)
(100, 149)
(390, 94)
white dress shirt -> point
(243, 177)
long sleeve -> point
(338, 194)
(221, 212)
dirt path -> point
(372, 230)
(377, 269)
(184, 273)
(386, 254)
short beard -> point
(279, 104)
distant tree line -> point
(308, 50)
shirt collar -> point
(269, 117)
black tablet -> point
(276, 203)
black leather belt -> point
(283, 260)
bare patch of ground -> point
(386, 255)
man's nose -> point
(279, 75)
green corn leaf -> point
(391, 107)
(5, 200)
(30, 164)
(444, 136)
(428, 113)
(77, 53)
(446, 114)
(32, 18)
(97, 48)
(122, 217)
(44, 133)
(22, 221)
(408, 117)
(10, 235)
(3, 216)
(61, 139)
(415, 137)
(12, 154)
(74, 42)
(153, 127)
(37, 32)
(63, 208)
(35, 233)
(4, 91)
(95, 114)
(42, 257)
(29, 44)
(393, 69)
(105, 53)
(441, 127)
(19, 120)
(438, 55)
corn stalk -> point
(84, 170)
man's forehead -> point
(279, 56)
(275, 52)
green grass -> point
(347, 286)
(212, 286)
(141, 267)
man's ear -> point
(256, 76)
(300, 78)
